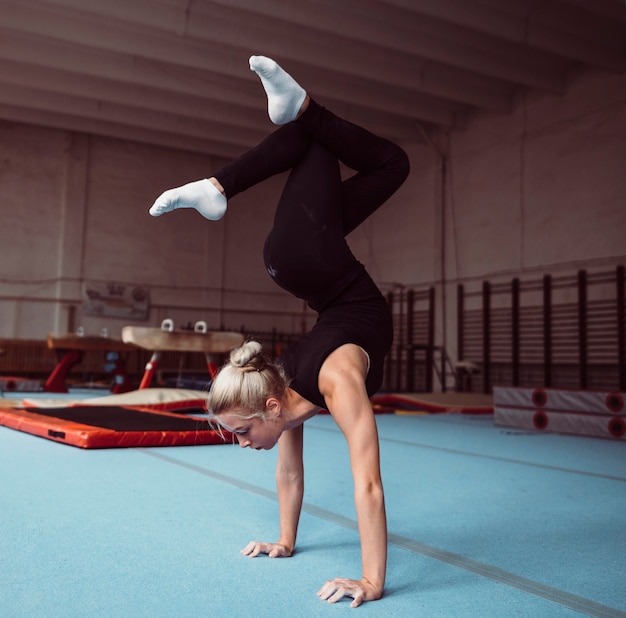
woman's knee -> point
(401, 164)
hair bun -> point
(248, 356)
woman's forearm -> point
(290, 484)
(290, 488)
(370, 507)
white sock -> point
(202, 195)
(284, 95)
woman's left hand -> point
(360, 590)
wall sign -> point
(116, 300)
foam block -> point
(599, 425)
(585, 413)
(12, 383)
(587, 402)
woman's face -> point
(255, 433)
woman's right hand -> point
(273, 550)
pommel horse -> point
(166, 339)
(70, 348)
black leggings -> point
(306, 252)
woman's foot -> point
(203, 195)
(285, 97)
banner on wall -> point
(116, 300)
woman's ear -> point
(273, 406)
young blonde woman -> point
(339, 364)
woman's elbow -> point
(371, 491)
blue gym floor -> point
(483, 522)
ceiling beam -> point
(178, 68)
(91, 126)
(126, 68)
(379, 66)
(134, 70)
(141, 87)
(173, 103)
(130, 94)
(612, 10)
(522, 24)
(36, 99)
(344, 25)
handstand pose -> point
(339, 364)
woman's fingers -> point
(273, 550)
(335, 589)
(253, 549)
(279, 551)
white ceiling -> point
(175, 72)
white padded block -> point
(587, 402)
(600, 425)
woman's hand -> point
(273, 550)
(360, 590)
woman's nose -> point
(243, 442)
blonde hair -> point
(245, 382)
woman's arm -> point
(290, 486)
(342, 382)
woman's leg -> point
(306, 252)
(381, 166)
(277, 153)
